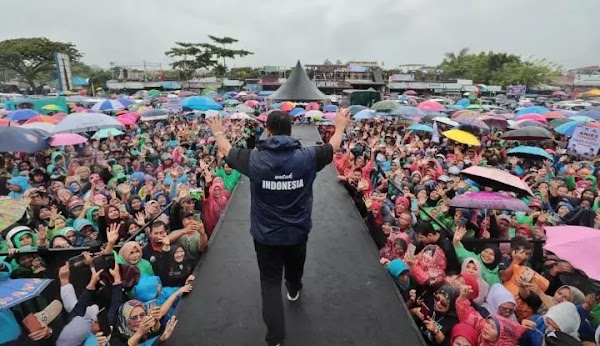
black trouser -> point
(272, 259)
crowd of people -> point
(143, 205)
(502, 288)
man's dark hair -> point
(158, 224)
(279, 124)
(424, 228)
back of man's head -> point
(279, 124)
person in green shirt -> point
(229, 175)
(489, 258)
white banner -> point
(173, 105)
(585, 141)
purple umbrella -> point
(473, 122)
(488, 200)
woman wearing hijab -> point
(494, 330)
(473, 267)
(399, 271)
(500, 301)
(131, 254)
(214, 204)
(395, 246)
(428, 267)
(437, 320)
(562, 317)
(133, 318)
(489, 258)
(179, 269)
(463, 335)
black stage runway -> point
(348, 297)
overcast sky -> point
(281, 31)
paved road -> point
(348, 298)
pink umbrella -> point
(313, 106)
(430, 106)
(132, 115)
(495, 122)
(251, 103)
(410, 92)
(488, 200)
(576, 244)
(497, 179)
(66, 139)
(330, 115)
(532, 116)
(262, 117)
(126, 120)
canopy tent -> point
(298, 88)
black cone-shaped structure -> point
(298, 88)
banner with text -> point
(585, 141)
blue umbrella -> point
(125, 101)
(594, 114)
(529, 152)
(455, 107)
(355, 109)
(364, 114)
(22, 115)
(16, 291)
(406, 111)
(420, 127)
(200, 103)
(275, 105)
(296, 112)
(533, 109)
(231, 102)
(108, 105)
(330, 108)
(463, 103)
(568, 129)
(581, 118)
(22, 139)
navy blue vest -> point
(281, 176)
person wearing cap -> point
(281, 173)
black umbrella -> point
(528, 133)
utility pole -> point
(145, 75)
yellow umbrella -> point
(461, 136)
(53, 108)
(594, 92)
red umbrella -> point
(251, 103)
(532, 116)
(430, 106)
(4, 122)
(126, 120)
(410, 92)
(554, 115)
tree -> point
(190, 57)
(339, 62)
(495, 68)
(32, 57)
(327, 62)
(223, 52)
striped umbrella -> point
(108, 105)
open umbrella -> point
(577, 245)
(16, 291)
(251, 103)
(244, 109)
(239, 116)
(11, 211)
(52, 108)
(66, 139)
(154, 115)
(22, 115)
(296, 112)
(46, 127)
(84, 122)
(108, 105)
(43, 119)
(495, 122)
(473, 122)
(231, 102)
(446, 121)
(356, 108)
(200, 103)
(4, 122)
(554, 115)
(528, 133)
(557, 122)
(420, 128)
(126, 119)
(154, 92)
(105, 133)
(593, 114)
(364, 115)
(431, 106)
(386, 105)
(461, 136)
(287, 106)
(466, 114)
(488, 200)
(22, 139)
(313, 114)
(532, 116)
(330, 115)
(406, 111)
(410, 92)
(533, 109)
(568, 129)
(330, 108)
(533, 153)
(497, 179)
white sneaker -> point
(294, 298)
